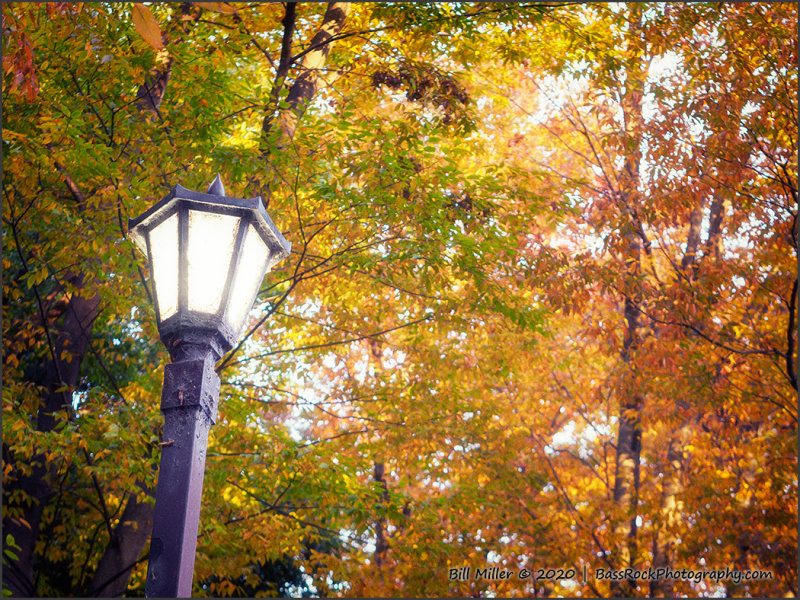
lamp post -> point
(208, 254)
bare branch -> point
(790, 343)
(329, 344)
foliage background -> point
(540, 309)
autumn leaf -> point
(147, 26)
(21, 63)
(220, 7)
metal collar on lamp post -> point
(208, 254)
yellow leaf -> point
(7, 134)
(146, 25)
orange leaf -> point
(147, 26)
(220, 7)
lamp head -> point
(208, 254)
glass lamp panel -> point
(211, 241)
(249, 274)
(164, 254)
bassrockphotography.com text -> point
(735, 576)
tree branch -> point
(282, 71)
(113, 578)
(307, 82)
(790, 337)
(329, 344)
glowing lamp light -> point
(208, 254)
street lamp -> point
(208, 254)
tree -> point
(585, 136)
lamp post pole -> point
(189, 404)
(208, 254)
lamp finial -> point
(216, 187)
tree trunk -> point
(628, 459)
(713, 245)
(123, 551)
(629, 439)
(689, 260)
(670, 515)
(23, 512)
(381, 545)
